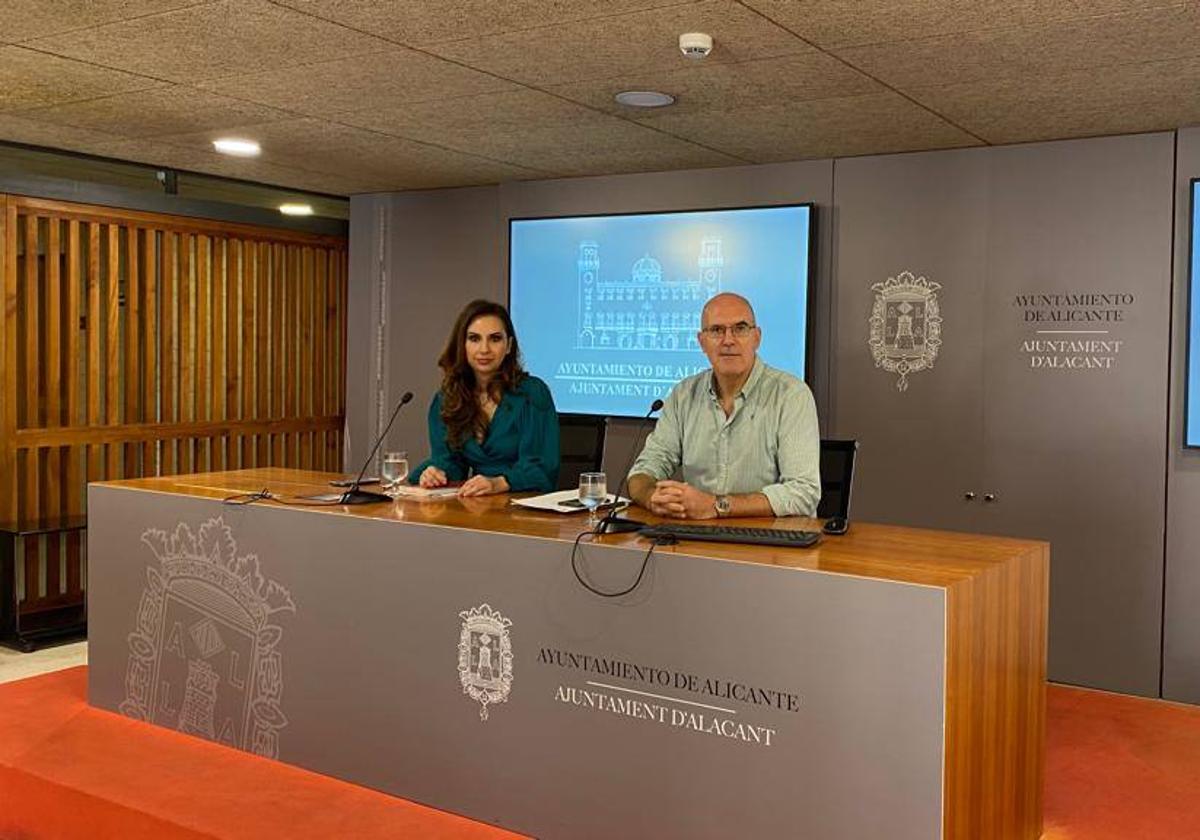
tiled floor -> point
(15, 665)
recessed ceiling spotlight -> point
(644, 98)
(291, 209)
(237, 147)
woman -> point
(490, 419)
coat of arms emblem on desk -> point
(204, 654)
(906, 325)
(485, 659)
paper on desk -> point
(412, 491)
(565, 501)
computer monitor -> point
(607, 307)
(1191, 430)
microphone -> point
(611, 523)
(355, 496)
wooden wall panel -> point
(262, 380)
(28, 415)
(112, 346)
(166, 335)
(135, 344)
(133, 321)
(8, 358)
(93, 327)
(54, 476)
(217, 369)
(75, 364)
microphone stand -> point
(356, 496)
(611, 523)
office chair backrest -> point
(837, 477)
(580, 446)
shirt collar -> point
(756, 375)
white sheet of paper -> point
(555, 502)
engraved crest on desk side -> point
(906, 325)
(204, 656)
(485, 658)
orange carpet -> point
(1120, 768)
(1117, 768)
(70, 771)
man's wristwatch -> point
(723, 505)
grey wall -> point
(416, 258)
(1073, 456)
(1181, 625)
(1081, 461)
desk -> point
(889, 683)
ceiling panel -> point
(378, 80)
(464, 119)
(168, 109)
(31, 79)
(160, 153)
(843, 126)
(216, 39)
(626, 44)
(538, 130)
(713, 88)
(1082, 103)
(387, 162)
(494, 90)
(431, 21)
(25, 19)
(839, 23)
(17, 129)
(998, 54)
(613, 148)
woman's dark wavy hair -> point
(461, 411)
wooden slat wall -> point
(136, 344)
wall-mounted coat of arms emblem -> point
(204, 655)
(485, 659)
(906, 325)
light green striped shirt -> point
(769, 445)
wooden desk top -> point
(910, 555)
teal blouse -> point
(521, 443)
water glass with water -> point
(593, 489)
(395, 470)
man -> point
(744, 433)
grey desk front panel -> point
(719, 699)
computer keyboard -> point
(733, 534)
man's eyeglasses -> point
(739, 330)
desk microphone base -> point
(364, 497)
(617, 525)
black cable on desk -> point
(265, 495)
(248, 498)
(600, 592)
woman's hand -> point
(432, 477)
(482, 485)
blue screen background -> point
(606, 308)
(1192, 430)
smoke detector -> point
(695, 44)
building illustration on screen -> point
(644, 311)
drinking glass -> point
(395, 470)
(593, 488)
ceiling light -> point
(237, 147)
(296, 209)
(644, 98)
